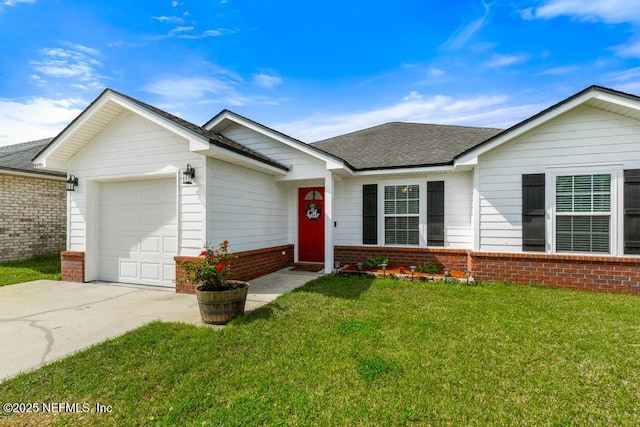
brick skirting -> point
(246, 265)
(590, 273)
(72, 266)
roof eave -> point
(35, 174)
(411, 169)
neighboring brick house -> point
(33, 208)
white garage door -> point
(138, 232)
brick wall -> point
(453, 258)
(593, 273)
(246, 266)
(578, 272)
(33, 216)
(72, 267)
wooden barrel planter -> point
(219, 307)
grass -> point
(356, 351)
(36, 268)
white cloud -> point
(631, 49)
(625, 81)
(436, 72)
(77, 62)
(176, 4)
(625, 75)
(170, 19)
(181, 29)
(473, 110)
(189, 88)
(462, 34)
(610, 11)
(36, 118)
(266, 80)
(559, 71)
(499, 61)
(15, 2)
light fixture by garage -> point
(72, 183)
(188, 174)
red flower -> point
(203, 253)
(220, 267)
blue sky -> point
(311, 69)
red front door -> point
(311, 224)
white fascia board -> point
(225, 155)
(471, 157)
(617, 100)
(298, 145)
(51, 164)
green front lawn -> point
(36, 268)
(356, 351)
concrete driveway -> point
(44, 320)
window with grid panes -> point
(583, 213)
(402, 215)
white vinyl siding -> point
(248, 208)
(458, 202)
(303, 166)
(586, 138)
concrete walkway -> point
(44, 320)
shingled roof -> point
(17, 157)
(400, 145)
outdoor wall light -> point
(188, 174)
(72, 183)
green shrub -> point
(427, 267)
(374, 261)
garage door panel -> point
(129, 269)
(128, 244)
(169, 272)
(138, 232)
(150, 245)
(150, 271)
(169, 245)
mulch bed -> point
(402, 272)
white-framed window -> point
(583, 213)
(584, 207)
(402, 215)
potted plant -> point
(219, 299)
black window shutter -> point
(533, 214)
(632, 211)
(435, 213)
(370, 214)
